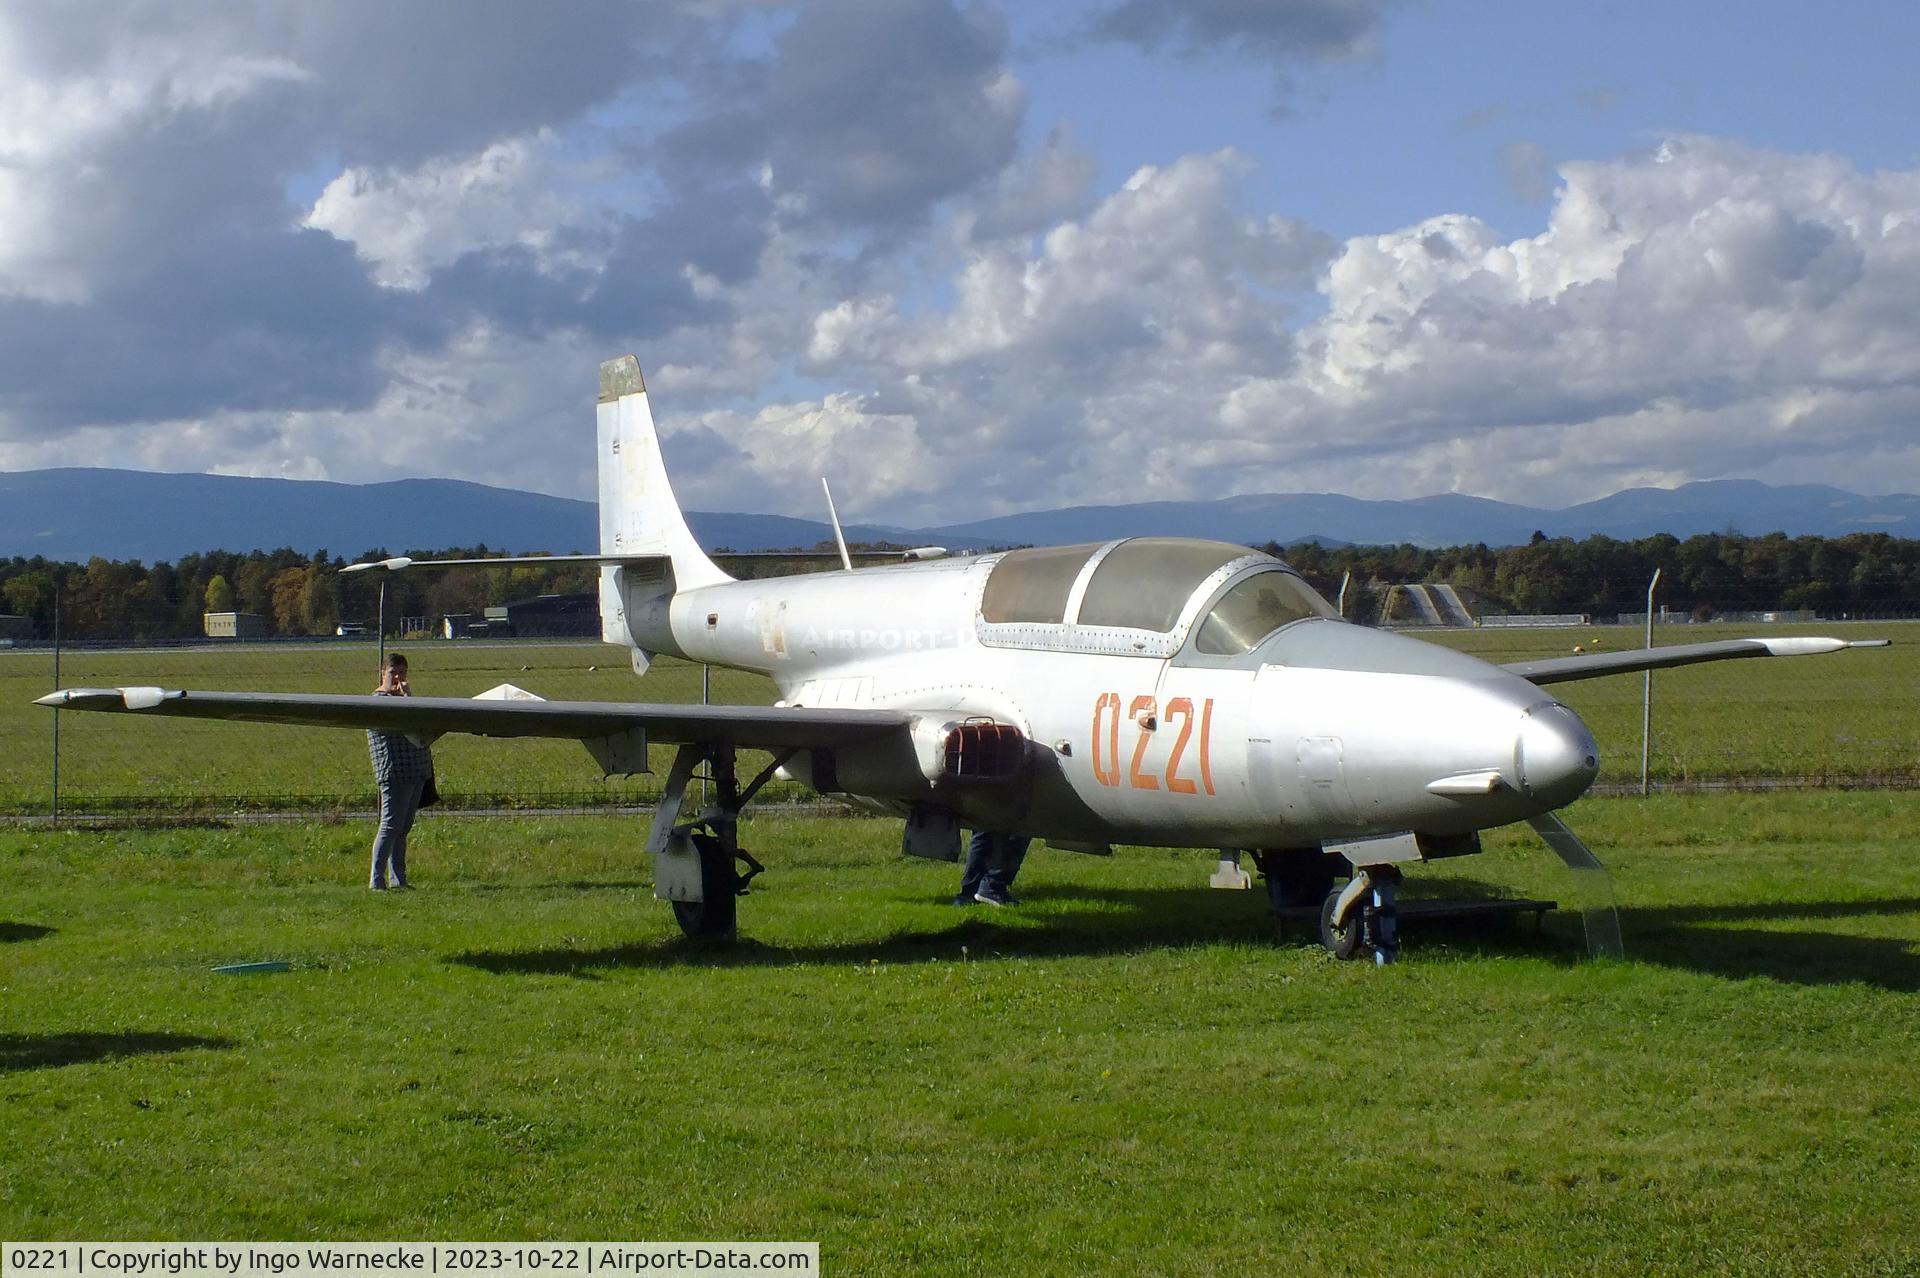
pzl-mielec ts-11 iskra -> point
(1151, 690)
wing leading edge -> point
(1594, 664)
(752, 727)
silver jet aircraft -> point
(1151, 690)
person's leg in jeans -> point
(399, 801)
(1012, 853)
(979, 859)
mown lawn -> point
(1129, 1074)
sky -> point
(968, 258)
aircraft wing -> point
(1592, 665)
(753, 727)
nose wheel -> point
(1360, 918)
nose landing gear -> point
(1361, 919)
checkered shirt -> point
(397, 757)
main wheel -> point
(716, 917)
(1341, 942)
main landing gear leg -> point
(694, 862)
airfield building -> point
(544, 617)
(235, 625)
(547, 617)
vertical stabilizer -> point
(638, 513)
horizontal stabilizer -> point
(510, 561)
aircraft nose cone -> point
(1555, 755)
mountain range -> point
(77, 513)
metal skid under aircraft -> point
(1151, 690)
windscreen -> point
(1253, 608)
(1144, 583)
(1032, 585)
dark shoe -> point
(962, 899)
(994, 896)
(378, 887)
(403, 887)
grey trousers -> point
(399, 802)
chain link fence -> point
(101, 764)
(1843, 720)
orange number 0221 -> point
(1106, 743)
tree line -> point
(295, 593)
(1862, 574)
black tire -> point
(1342, 943)
(717, 917)
(1297, 877)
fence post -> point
(1646, 701)
(56, 713)
(706, 699)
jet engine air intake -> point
(981, 748)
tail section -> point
(639, 517)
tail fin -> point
(639, 517)
(638, 513)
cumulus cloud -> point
(492, 173)
(1678, 307)
(1700, 309)
(1168, 261)
(407, 223)
(152, 266)
(1084, 367)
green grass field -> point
(1848, 718)
(1130, 1074)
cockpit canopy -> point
(1253, 608)
(1096, 594)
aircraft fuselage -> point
(1325, 731)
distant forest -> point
(1864, 574)
(297, 594)
(1859, 575)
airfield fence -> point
(1847, 720)
(127, 766)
